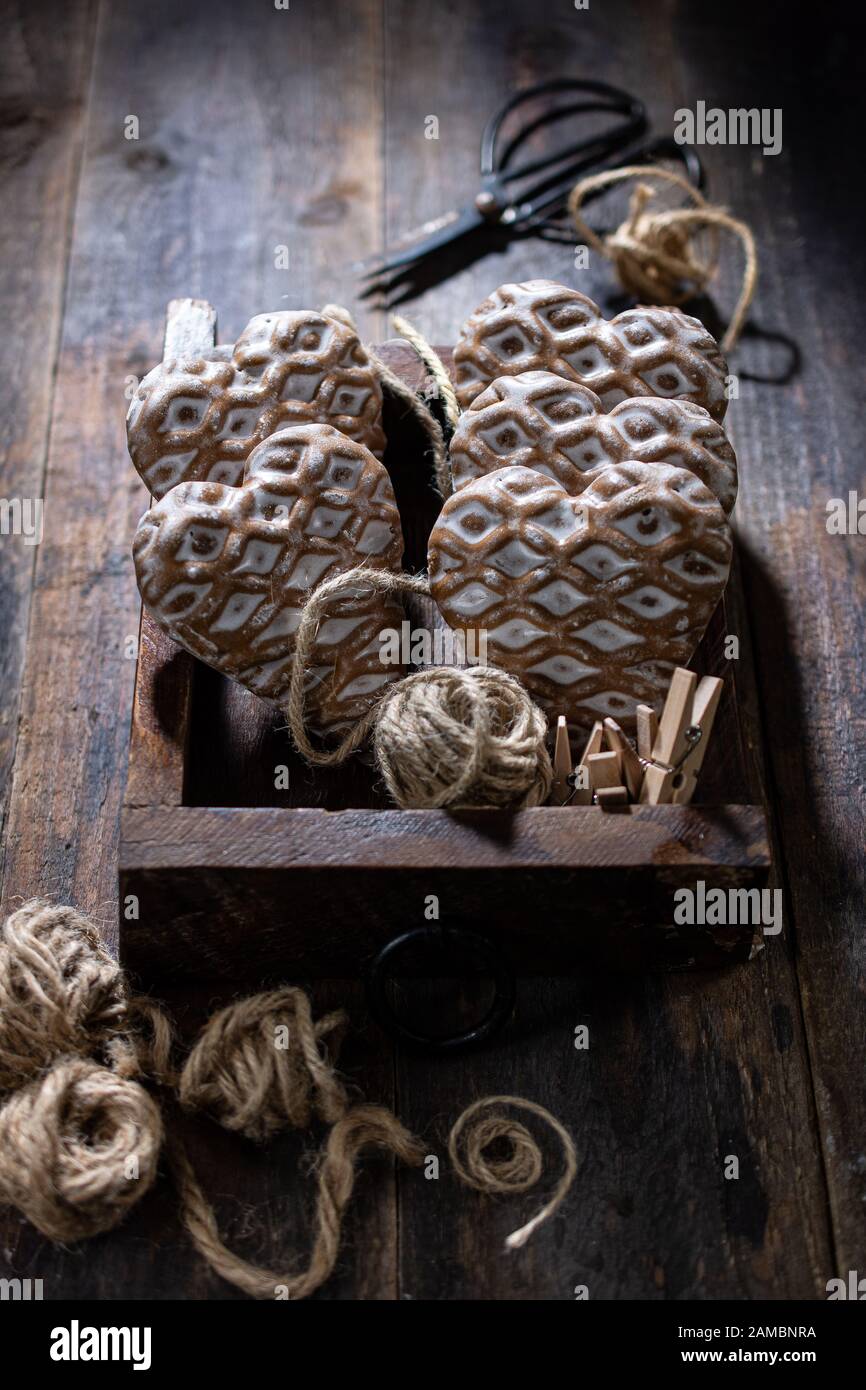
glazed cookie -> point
(593, 600)
(226, 571)
(542, 326)
(199, 419)
(541, 421)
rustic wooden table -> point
(305, 128)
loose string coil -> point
(654, 252)
(484, 1125)
(80, 1137)
(445, 737)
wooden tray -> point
(236, 880)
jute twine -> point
(462, 738)
(654, 253)
(444, 737)
(80, 1136)
(485, 1124)
(435, 366)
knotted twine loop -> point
(257, 1066)
(419, 408)
(476, 1131)
(654, 253)
(80, 1140)
(350, 584)
(462, 738)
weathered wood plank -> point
(241, 149)
(44, 68)
(552, 886)
(800, 442)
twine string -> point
(484, 1124)
(654, 253)
(340, 586)
(435, 366)
(454, 738)
(444, 737)
(80, 1137)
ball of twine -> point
(461, 738)
(447, 737)
(259, 1067)
(78, 1148)
(60, 991)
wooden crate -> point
(236, 880)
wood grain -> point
(44, 69)
(301, 134)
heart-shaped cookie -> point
(226, 570)
(541, 421)
(542, 326)
(593, 600)
(199, 419)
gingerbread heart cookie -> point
(199, 419)
(542, 326)
(541, 421)
(593, 600)
(226, 570)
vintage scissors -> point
(517, 198)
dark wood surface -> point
(262, 127)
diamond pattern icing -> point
(602, 562)
(515, 634)
(609, 609)
(652, 602)
(607, 636)
(542, 326)
(559, 598)
(226, 570)
(199, 418)
(563, 430)
(516, 558)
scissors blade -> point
(438, 232)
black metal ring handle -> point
(484, 953)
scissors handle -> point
(594, 96)
(523, 214)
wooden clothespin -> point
(562, 765)
(647, 731)
(632, 767)
(594, 744)
(606, 778)
(680, 743)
